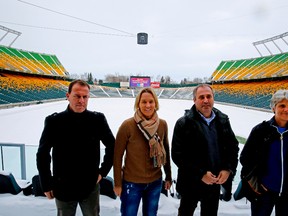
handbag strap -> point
(250, 174)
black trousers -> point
(264, 205)
(207, 195)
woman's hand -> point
(118, 190)
(168, 184)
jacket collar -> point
(272, 122)
(71, 112)
(194, 114)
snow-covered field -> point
(25, 124)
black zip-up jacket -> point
(75, 142)
(255, 153)
(190, 148)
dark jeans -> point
(264, 205)
(89, 206)
(132, 193)
(208, 196)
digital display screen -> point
(139, 82)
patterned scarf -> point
(149, 128)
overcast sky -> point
(186, 38)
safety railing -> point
(7, 148)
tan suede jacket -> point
(133, 146)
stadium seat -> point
(8, 184)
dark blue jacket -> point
(75, 142)
(256, 151)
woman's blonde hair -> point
(146, 90)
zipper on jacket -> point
(282, 164)
(282, 159)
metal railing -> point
(22, 157)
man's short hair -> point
(78, 81)
(201, 85)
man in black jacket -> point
(205, 150)
(74, 137)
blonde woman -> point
(143, 139)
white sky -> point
(25, 124)
(187, 39)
